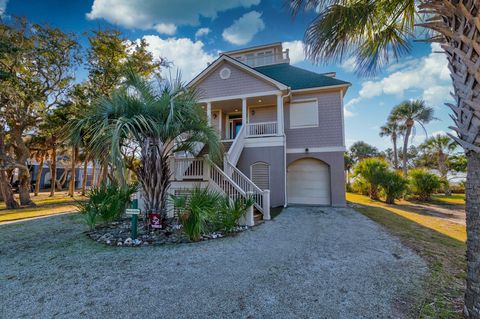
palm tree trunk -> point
(39, 176)
(472, 295)
(405, 149)
(395, 151)
(71, 184)
(53, 172)
(92, 178)
(84, 178)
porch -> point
(259, 115)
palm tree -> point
(440, 147)
(408, 113)
(373, 32)
(393, 130)
(141, 121)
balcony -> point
(262, 59)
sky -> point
(191, 33)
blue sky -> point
(191, 33)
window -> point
(304, 114)
(260, 175)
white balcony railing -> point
(188, 168)
(262, 129)
(265, 59)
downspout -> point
(285, 149)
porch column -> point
(244, 111)
(209, 113)
(280, 113)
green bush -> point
(195, 209)
(206, 210)
(229, 212)
(106, 203)
(372, 170)
(361, 186)
(393, 185)
(423, 184)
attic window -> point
(225, 73)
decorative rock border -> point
(118, 234)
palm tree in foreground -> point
(392, 129)
(408, 113)
(140, 121)
(440, 147)
(375, 31)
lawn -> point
(452, 199)
(440, 242)
(59, 204)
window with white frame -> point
(304, 114)
(260, 175)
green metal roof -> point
(297, 78)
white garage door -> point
(308, 182)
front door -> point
(234, 127)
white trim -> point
(316, 150)
(258, 47)
(343, 118)
(237, 97)
(264, 141)
(254, 72)
(322, 88)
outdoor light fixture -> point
(236, 110)
(306, 150)
(260, 101)
(214, 116)
(253, 112)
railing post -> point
(249, 218)
(206, 168)
(266, 204)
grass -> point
(452, 199)
(440, 243)
(59, 204)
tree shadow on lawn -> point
(445, 255)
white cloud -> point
(296, 52)
(187, 56)
(202, 32)
(349, 64)
(148, 14)
(428, 74)
(3, 6)
(244, 29)
(166, 28)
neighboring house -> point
(282, 128)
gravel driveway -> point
(307, 263)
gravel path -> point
(307, 263)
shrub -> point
(229, 212)
(373, 171)
(107, 203)
(361, 186)
(423, 184)
(393, 185)
(195, 209)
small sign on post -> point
(132, 211)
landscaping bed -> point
(118, 233)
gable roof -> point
(239, 64)
(297, 78)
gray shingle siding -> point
(330, 129)
(239, 83)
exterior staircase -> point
(229, 180)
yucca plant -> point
(195, 209)
(229, 212)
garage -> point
(308, 182)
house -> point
(282, 128)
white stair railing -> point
(262, 129)
(236, 148)
(188, 168)
(261, 197)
